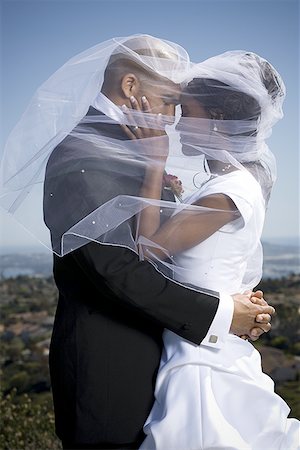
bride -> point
(207, 398)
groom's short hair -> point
(128, 57)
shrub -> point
(281, 342)
(26, 424)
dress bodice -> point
(230, 260)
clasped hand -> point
(252, 315)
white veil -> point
(69, 157)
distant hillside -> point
(28, 306)
(280, 259)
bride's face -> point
(192, 130)
(191, 107)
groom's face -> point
(162, 97)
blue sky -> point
(39, 36)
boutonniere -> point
(172, 183)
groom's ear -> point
(130, 85)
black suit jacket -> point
(112, 308)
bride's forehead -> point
(188, 99)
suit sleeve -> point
(137, 283)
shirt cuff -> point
(220, 326)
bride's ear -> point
(130, 85)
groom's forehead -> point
(170, 91)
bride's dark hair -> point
(221, 101)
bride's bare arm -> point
(149, 219)
(187, 228)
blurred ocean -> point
(281, 258)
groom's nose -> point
(178, 126)
(170, 111)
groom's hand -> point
(251, 316)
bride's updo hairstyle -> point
(224, 101)
(242, 95)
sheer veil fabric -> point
(64, 134)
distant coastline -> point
(281, 259)
(286, 241)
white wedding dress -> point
(208, 398)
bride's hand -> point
(144, 129)
(157, 151)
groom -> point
(112, 308)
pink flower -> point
(173, 183)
